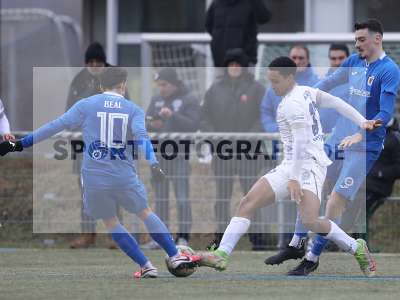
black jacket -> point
(233, 105)
(233, 24)
(386, 170)
(186, 112)
(84, 85)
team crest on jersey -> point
(307, 95)
(370, 80)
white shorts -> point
(312, 179)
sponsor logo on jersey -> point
(358, 92)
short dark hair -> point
(284, 65)
(372, 25)
(341, 47)
(112, 76)
(301, 46)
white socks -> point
(236, 228)
(342, 239)
(297, 241)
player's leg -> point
(127, 243)
(309, 213)
(297, 247)
(161, 190)
(355, 168)
(260, 195)
(102, 204)
(134, 200)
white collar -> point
(113, 94)
(380, 58)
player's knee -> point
(311, 223)
(144, 214)
(111, 223)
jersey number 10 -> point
(107, 121)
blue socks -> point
(320, 242)
(128, 244)
(160, 233)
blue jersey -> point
(372, 91)
(113, 128)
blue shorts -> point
(102, 203)
(349, 170)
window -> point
(386, 11)
(161, 15)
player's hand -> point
(350, 140)
(371, 124)
(10, 146)
(295, 191)
(157, 174)
(165, 112)
(8, 137)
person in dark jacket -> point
(231, 105)
(174, 109)
(233, 24)
(85, 84)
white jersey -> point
(299, 106)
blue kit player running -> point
(112, 127)
(373, 80)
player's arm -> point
(299, 126)
(144, 144)
(326, 100)
(389, 86)
(339, 77)
(70, 120)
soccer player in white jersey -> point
(302, 172)
(4, 125)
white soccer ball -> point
(181, 271)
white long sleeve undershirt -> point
(326, 100)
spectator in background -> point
(230, 105)
(337, 54)
(4, 125)
(305, 76)
(233, 24)
(85, 84)
(174, 109)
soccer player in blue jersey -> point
(113, 128)
(373, 80)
